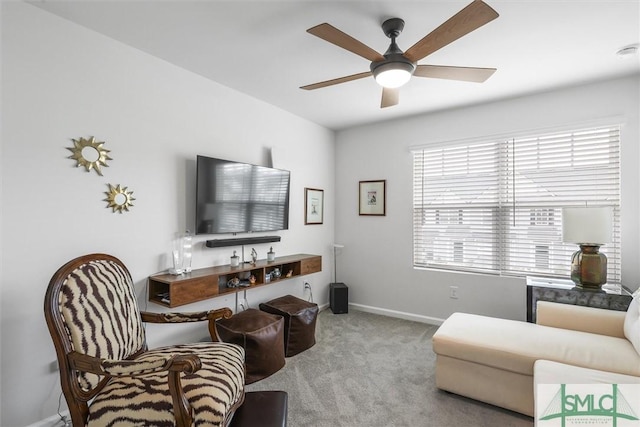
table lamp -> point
(590, 228)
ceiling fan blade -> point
(333, 35)
(336, 81)
(390, 97)
(472, 17)
(467, 74)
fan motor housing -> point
(394, 58)
(392, 61)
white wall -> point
(376, 262)
(61, 81)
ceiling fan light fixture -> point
(393, 74)
(394, 68)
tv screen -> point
(233, 197)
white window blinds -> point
(495, 206)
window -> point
(495, 206)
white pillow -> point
(632, 321)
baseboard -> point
(397, 314)
(52, 421)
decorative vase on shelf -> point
(235, 260)
(271, 256)
(181, 253)
(187, 251)
(177, 256)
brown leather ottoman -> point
(299, 322)
(262, 409)
(262, 337)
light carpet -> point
(371, 370)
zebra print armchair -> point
(110, 377)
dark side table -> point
(564, 291)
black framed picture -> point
(313, 206)
(373, 197)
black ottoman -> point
(299, 322)
(262, 337)
(262, 409)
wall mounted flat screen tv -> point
(233, 197)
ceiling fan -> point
(395, 67)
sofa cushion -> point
(548, 372)
(515, 346)
(581, 318)
(632, 321)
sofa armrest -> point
(581, 318)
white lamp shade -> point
(587, 225)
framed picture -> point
(373, 197)
(313, 206)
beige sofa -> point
(492, 360)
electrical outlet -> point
(306, 286)
(453, 292)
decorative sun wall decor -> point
(89, 154)
(118, 198)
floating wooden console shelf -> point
(204, 283)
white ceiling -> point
(261, 48)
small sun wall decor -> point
(119, 198)
(89, 154)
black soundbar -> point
(219, 243)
